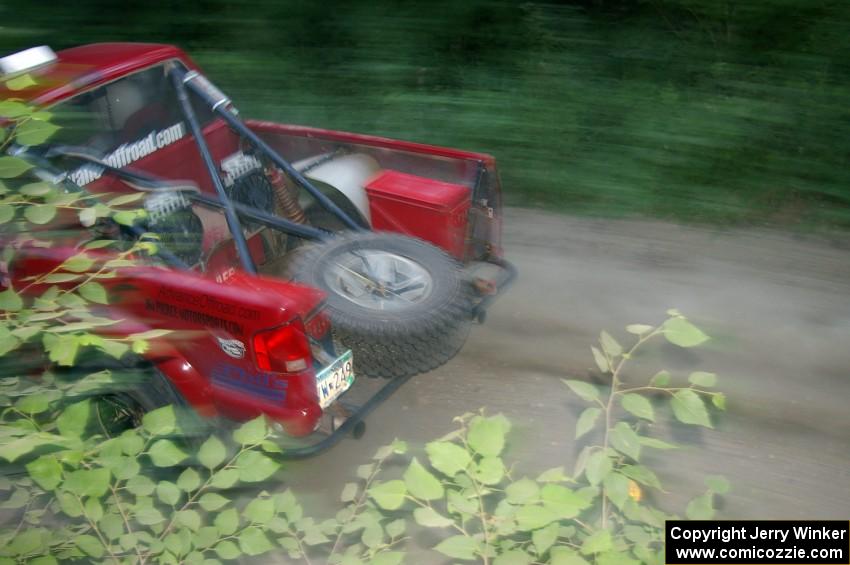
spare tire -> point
(400, 304)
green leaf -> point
(78, 263)
(545, 537)
(11, 167)
(93, 509)
(719, 400)
(597, 542)
(701, 507)
(638, 405)
(638, 329)
(601, 361)
(168, 492)
(254, 467)
(488, 471)
(34, 132)
(689, 408)
(94, 292)
(251, 433)
(421, 483)
(553, 475)
(160, 422)
(72, 422)
(212, 453)
(396, 528)
(533, 516)
(640, 474)
(212, 501)
(225, 478)
(487, 435)
(20, 82)
(585, 391)
(126, 199)
(703, 379)
(430, 518)
(260, 511)
(13, 109)
(227, 522)
(227, 550)
(30, 540)
(513, 557)
(616, 558)
(87, 482)
(39, 213)
(140, 485)
(189, 518)
(617, 488)
(459, 547)
(610, 345)
(10, 301)
(125, 217)
(446, 457)
(61, 278)
(389, 495)
(189, 480)
(373, 535)
(656, 443)
(521, 491)
(46, 471)
(681, 332)
(36, 403)
(598, 467)
(624, 439)
(717, 484)
(89, 545)
(253, 541)
(388, 558)
(7, 213)
(563, 501)
(165, 453)
(349, 492)
(587, 420)
(460, 503)
(8, 342)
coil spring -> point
(286, 197)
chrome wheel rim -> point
(379, 280)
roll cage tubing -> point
(220, 104)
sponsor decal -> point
(193, 316)
(208, 302)
(238, 164)
(232, 347)
(127, 153)
(264, 385)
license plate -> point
(335, 379)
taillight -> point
(283, 350)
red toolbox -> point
(429, 209)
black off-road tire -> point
(395, 343)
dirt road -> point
(777, 308)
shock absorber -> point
(286, 196)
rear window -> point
(125, 112)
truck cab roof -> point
(87, 66)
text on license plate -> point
(335, 379)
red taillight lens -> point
(283, 350)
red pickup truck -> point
(290, 257)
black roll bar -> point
(220, 106)
(177, 76)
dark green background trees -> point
(700, 110)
